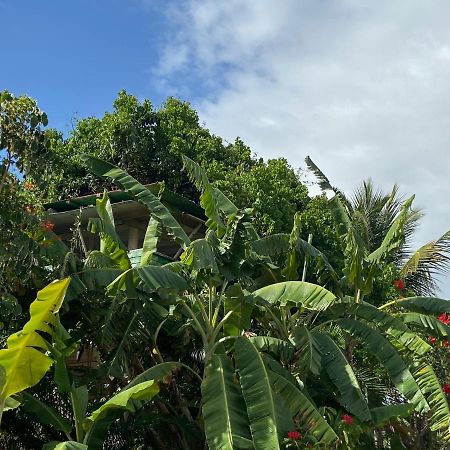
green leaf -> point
(208, 198)
(424, 305)
(68, 445)
(301, 408)
(160, 372)
(304, 294)
(383, 414)
(142, 391)
(277, 347)
(268, 421)
(310, 355)
(224, 414)
(395, 236)
(390, 325)
(199, 256)
(24, 360)
(110, 243)
(388, 356)
(152, 278)
(141, 194)
(436, 398)
(79, 397)
(435, 326)
(46, 414)
(343, 377)
(150, 241)
(273, 245)
(239, 320)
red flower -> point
(445, 344)
(347, 419)
(295, 435)
(446, 389)
(48, 226)
(399, 284)
(444, 318)
(432, 339)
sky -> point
(362, 87)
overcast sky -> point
(363, 87)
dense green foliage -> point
(148, 143)
(255, 338)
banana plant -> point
(25, 360)
(212, 281)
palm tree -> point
(373, 212)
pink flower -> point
(295, 435)
(445, 344)
(432, 340)
(347, 419)
(399, 284)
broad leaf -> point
(343, 377)
(435, 326)
(150, 241)
(241, 309)
(208, 198)
(140, 194)
(268, 421)
(160, 372)
(279, 348)
(130, 399)
(224, 413)
(301, 408)
(46, 414)
(383, 414)
(390, 325)
(24, 360)
(424, 305)
(300, 293)
(310, 354)
(389, 357)
(199, 255)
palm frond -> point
(424, 265)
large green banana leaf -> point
(310, 296)
(110, 243)
(24, 360)
(46, 413)
(389, 357)
(300, 406)
(424, 305)
(141, 194)
(224, 412)
(151, 237)
(96, 425)
(343, 377)
(391, 325)
(208, 198)
(279, 348)
(269, 417)
(433, 325)
(310, 355)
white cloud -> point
(363, 87)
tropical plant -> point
(242, 350)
